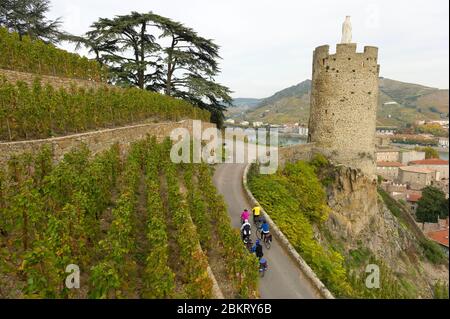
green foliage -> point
(50, 214)
(429, 152)
(415, 140)
(433, 252)
(391, 287)
(27, 17)
(34, 56)
(41, 112)
(159, 278)
(440, 290)
(432, 205)
(192, 259)
(83, 211)
(156, 53)
(432, 128)
(303, 184)
(391, 203)
(197, 207)
(293, 211)
(319, 161)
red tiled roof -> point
(431, 161)
(413, 197)
(440, 236)
(389, 164)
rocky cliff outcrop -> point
(360, 219)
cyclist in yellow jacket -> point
(256, 214)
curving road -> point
(283, 280)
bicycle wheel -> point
(268, 243)
(259, 233)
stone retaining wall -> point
(316, 282)
(54, 81)
(96, 141)
(295, 153)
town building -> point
(408, 156)
(443, 142)
(436, 164)
(387, 155)
(388, 170)
(303, 131)
(440, 237)
(411, 201)
(388, 130)
(416, 177)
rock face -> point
(359, 218)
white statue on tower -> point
(347, 31)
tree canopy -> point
(429, 152)
(156, 53)
(27, 17)
(432, 205)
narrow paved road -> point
(283, 280)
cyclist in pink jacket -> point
(245, 215)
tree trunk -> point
(141, 58)
(170, 68)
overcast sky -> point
(267, 45)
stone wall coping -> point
(88, 133)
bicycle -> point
(259, 232)
(257, 220)
(262, 267)
(267, 240)
(248, 242)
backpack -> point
(259, 251)
(246, 230)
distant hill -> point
(399, 103)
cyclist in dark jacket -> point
(258, 249)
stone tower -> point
(344, 98)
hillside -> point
(399, 103)
(336, 220)
(47, 92)
(136, 224)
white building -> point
(303, 131)
(245, 123)
(258, 124)
(229, 121)
(443, 142)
